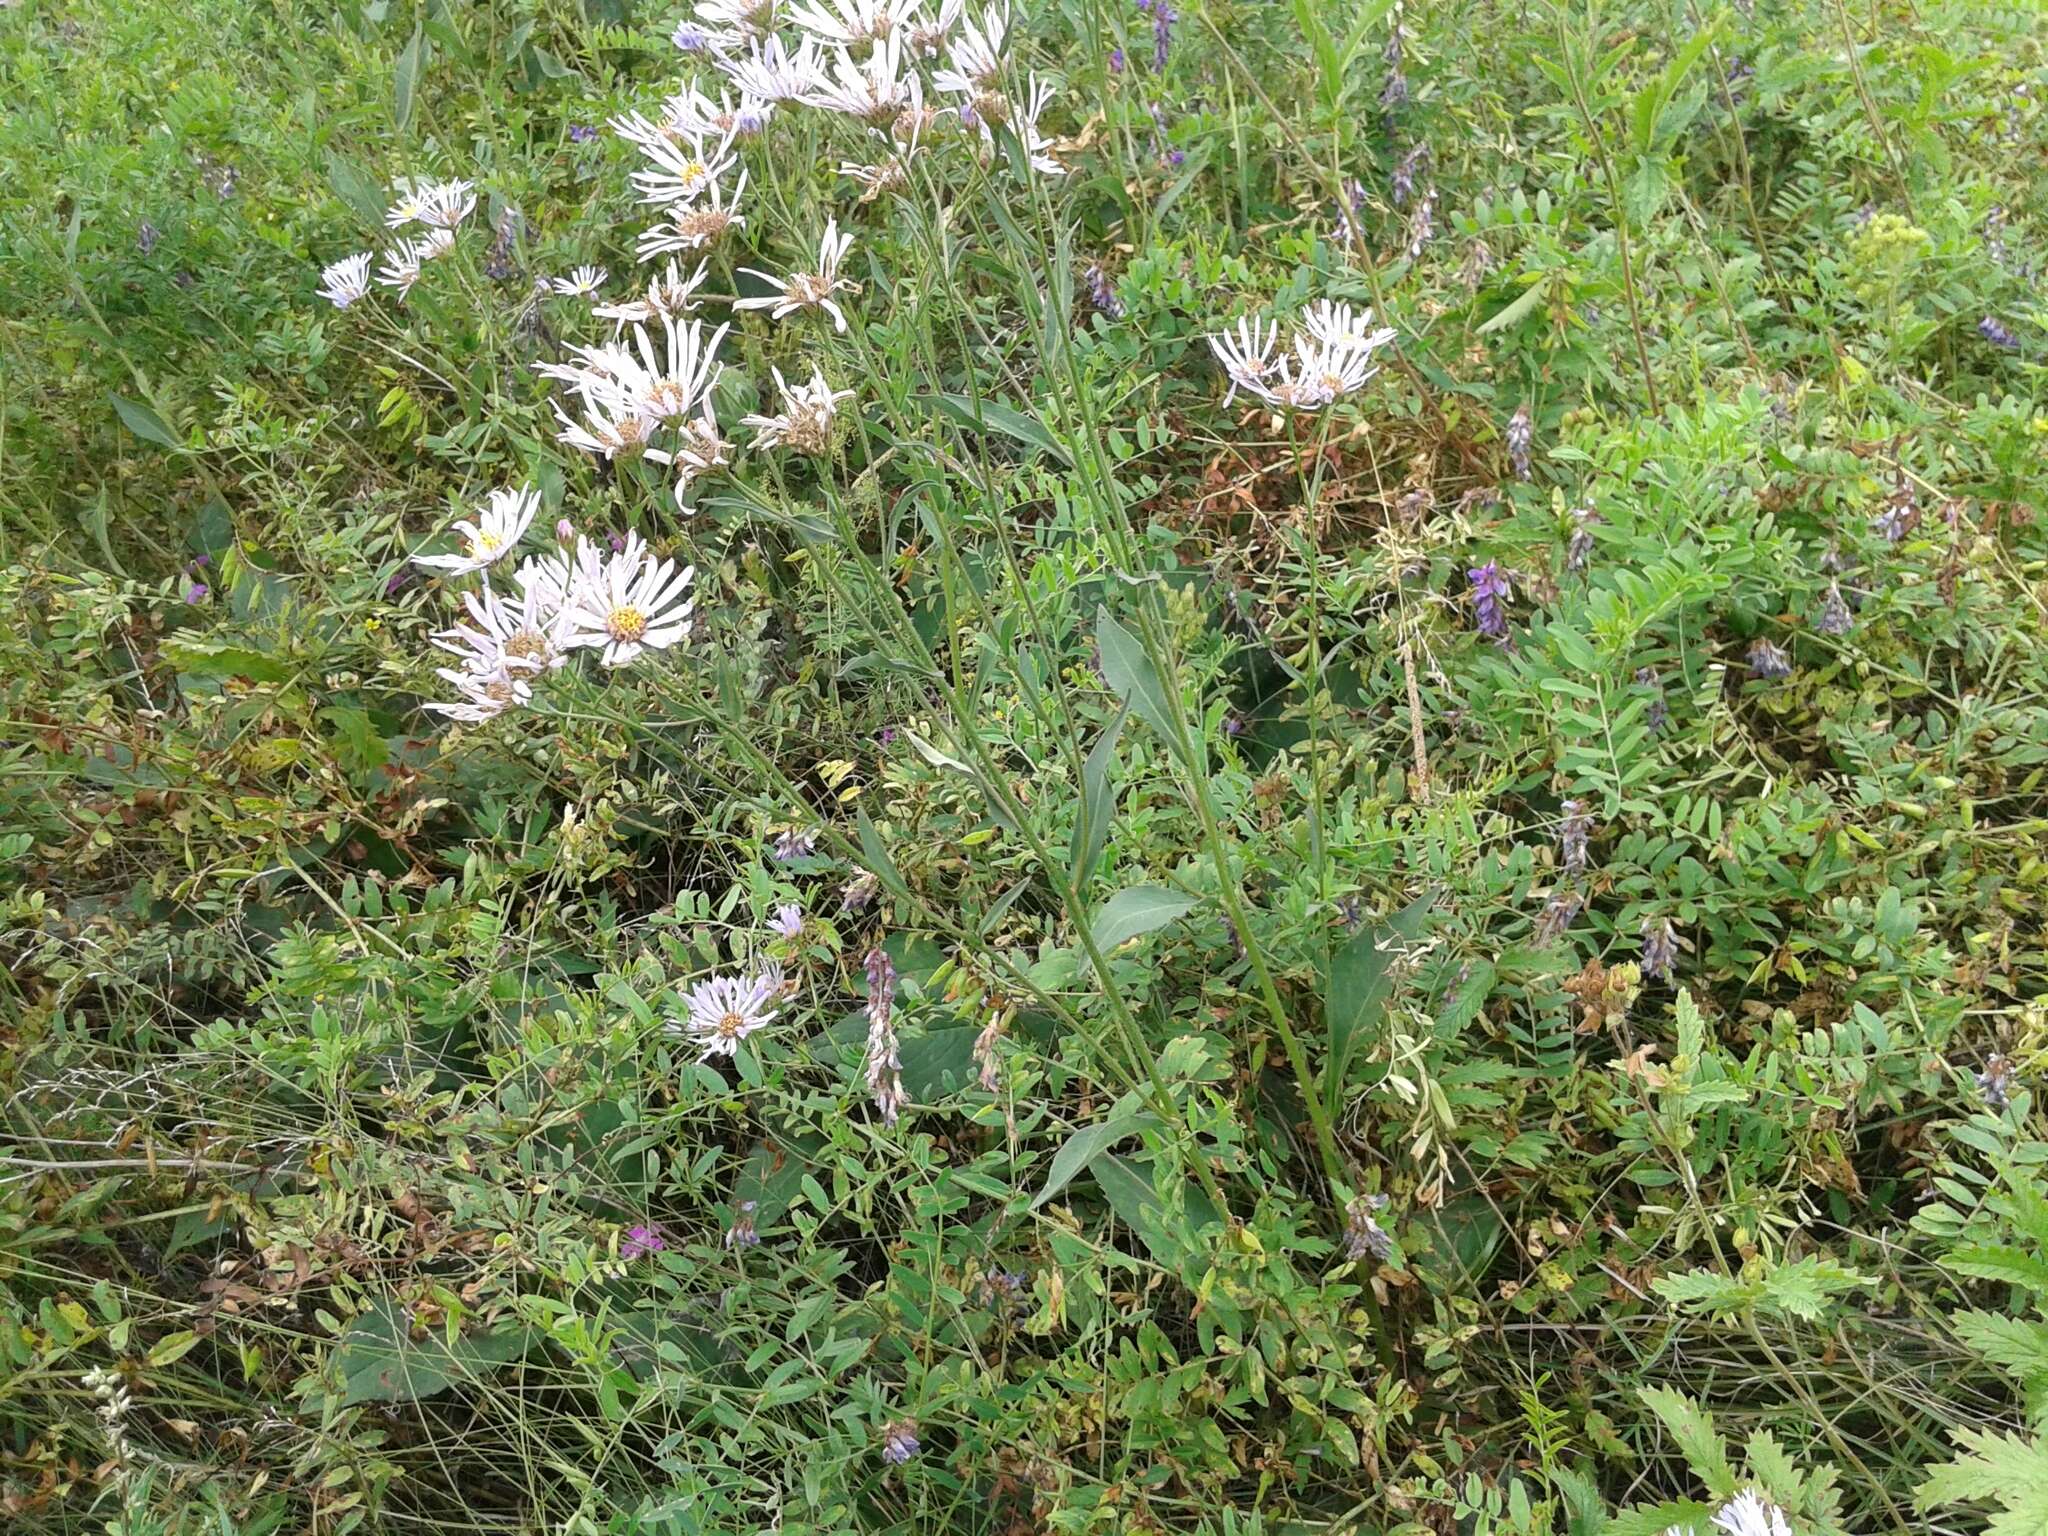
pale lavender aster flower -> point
(788, 920)
(724, 1010)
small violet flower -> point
(642, 1240)
(1767, 660)
(788, 920)
(1490, 592)
(899, 1441)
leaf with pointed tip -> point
(1135, 910)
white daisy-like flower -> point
(483, 695)
(682, 171)
(434, 244)
(1750, 1514)
(629, 603)
(927, 34)
(849, 23)
(346, 280)
(1246, 354)
(1338, 324)
(668, 388)
(1329, 371)
(697, 226)
(524, 634)
(807, 290)
(805, 422)
(751, 19)
(447, 203)
(975, 57)
(545, 578)
(788, 920)
(613, 426)
(582, 283)
(402, 265)
(726, 1009)
(703, 448)
(1037, 144)
(876, 92)
(890, 175)
(773, 74)
(491, 536)
(669, 296)
(411, 205)
(692, 36)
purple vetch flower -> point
(1364, 1237)
(1995, 1083)
(1899, 516)
(795, 843)
(742, 1234)
(582, 133)
(1572, 834)
(883, 1067)
(988, 1064)
(197, 593)
(1348, 914)
(1994, 332)
(1490, 592)
(146, 237)
(899, 1441)
(397, 581)
(642, 1240)
(1394, 94)
(886, 736)
(1163, 18)
(858, 894)
(1834, 617)
(1405, 172)
(1005, 1291)
(1660, 948)
(788, 920)
(1422, 226)
(1233, 724)
(1578, 551)
(617, 542)
(1767, 660)
(1521, 434)
(1116, 61)
(1102, 293)
(1658, 715)
(1354, 191)
(1556, 916)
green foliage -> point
(1309, 1124)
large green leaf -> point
(1358, 986)
(1133, 677)
(1082, 1147)
(1139, 909)
(380, 1362)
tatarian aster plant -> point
(849, 23)
(807, 290)
(346, 280)
(726, 1009)
(876, 92)
(682, 171)
(483, 695)
(669, 296)
(582, 283)
(628, 603)
(774, 74)
(525, 634)
(1330, 357)
(491, 536)
(805, 423)
(694, 226)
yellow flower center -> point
(730, 1026)
(486, 544)
(627, 624)
(527, 645)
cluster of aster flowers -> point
(1328, 357)
(1749, 1513)
(436, 209)
(620, 601)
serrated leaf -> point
(1995, 1261)
(1692, 1428)
(1995, 1468)
(1135, 910)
